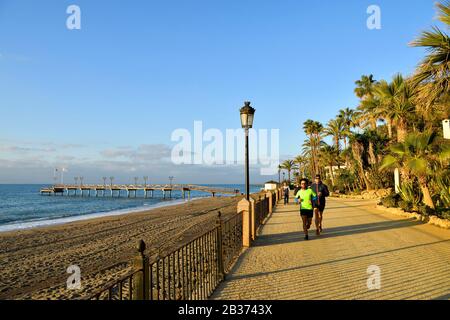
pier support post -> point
(244, 207)
(140, 280)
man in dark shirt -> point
(319, 204)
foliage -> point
(411, 110)
(409, 194)
(391, 201)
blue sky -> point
(138, 70)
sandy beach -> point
(33, 262)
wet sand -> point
(33, 262)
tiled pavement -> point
(414, 258)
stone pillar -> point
(269, 195)
(244, 207)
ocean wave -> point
(59, 221)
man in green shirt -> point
(306, 197)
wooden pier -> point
(131, 191)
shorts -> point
(320, 206)
(307, 213)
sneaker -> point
(306, 237)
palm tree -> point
(288, 165)
(364, 87)
(346, 115)
(387, 93)
(369, 112)
(335, 128)
(417, 154)
(403, 107)
(357, 144)
(328, 156)
(433, 72)
(301, 162)
(104, 181)
(314, 131)
(111, 179)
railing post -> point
(244, 207)
(252, 218)
(140, 279)
(221, 268)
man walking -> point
(286, 191)
(321, 190)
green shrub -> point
(443, 213)
(405, 205)
(410, 193)
(425, 210)
(391, 201)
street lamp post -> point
(279, 175)
(145, 181)
(171, 179)
(247, 116)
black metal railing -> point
(191, 272)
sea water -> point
(23, 207)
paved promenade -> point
(414, 258)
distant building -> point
(335, 170)
(270, 186)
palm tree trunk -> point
(426, 192)
(372, 157)
(357, 149)
(389, 126)
(401, 131)
(330, 168)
